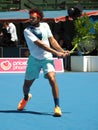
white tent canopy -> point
(23, 15)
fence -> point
(6, 5)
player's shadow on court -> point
(30, 112)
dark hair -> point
(37, 10)
(6, 23)
(74, 12)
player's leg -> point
(26, 88)
(54, 86)
(55, 91)
(27, 95)
(32, 72)
(49, 72)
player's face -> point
(34, 20)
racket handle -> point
(72, 51)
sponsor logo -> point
(5, 65)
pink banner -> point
(18, 65)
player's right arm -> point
(30, 37)
(49, 49)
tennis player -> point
(39, 37)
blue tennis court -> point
(78, 100)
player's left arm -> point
(56, 45)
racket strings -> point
(86, 46)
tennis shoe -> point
(23, 102)
(57, 111)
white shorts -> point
(34, 67)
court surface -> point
(78, 100)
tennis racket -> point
(85, 46)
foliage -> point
(96, 32)
(83, 26)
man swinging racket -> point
(39, 37)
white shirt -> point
(42, 32)
(12, 30)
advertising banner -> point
(18, 65)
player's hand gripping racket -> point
(85, 46)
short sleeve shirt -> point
(32, 34)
